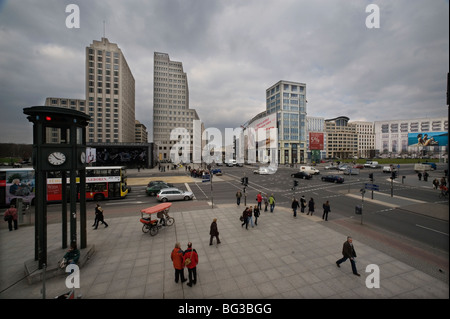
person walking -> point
(250, 216)
(99, 217)
(294, 206)
(177, 260)
(259, 200)
(435, 183)
(272, 203)
(214, 232)
(190, 260)
(311, 206)
(266, 202)
(245, 218)
(238, 198)
(256, 214)
(10, 216)
(326, 210)
(302, 204)
(348, 252)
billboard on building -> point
(316, 141)
(428, 139)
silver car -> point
(170, 194)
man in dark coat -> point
(214, 232)
(348, 252)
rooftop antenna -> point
(104, 28)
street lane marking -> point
(437, 231)
(189, 189)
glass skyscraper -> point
(288, 100)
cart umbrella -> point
(156, 209)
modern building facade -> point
(141, 134)
(365, 139)
(288, 100)
(342, 140)
(391, 136)
(110, 94)
(171, 106)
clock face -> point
(83, 157)
(56, 158)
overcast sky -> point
(232, 51)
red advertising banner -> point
(316, 141)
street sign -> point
(371, 187)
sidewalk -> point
(282, 257)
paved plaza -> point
(282, 257)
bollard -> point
(19, 206)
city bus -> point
(108, 182)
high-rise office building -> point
(141, 135)
(110, 94)
(288, 100)
(171, 105)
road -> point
(405, 214)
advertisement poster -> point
(316, 141)
(428, 139)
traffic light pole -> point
(392, 187)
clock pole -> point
(59, 145)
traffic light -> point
(244, 181)
(295, 183)
(393, 175)
(371, 176)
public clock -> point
(57, 158)
(83, 157)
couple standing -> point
(188, 259)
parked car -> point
(170, 194)
(153, 189)
(302, 175)
(360, 166)
(216, 171)
(332, 178)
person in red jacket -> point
(190, 260)
(259, 200)
(10, 216)
(177, 259)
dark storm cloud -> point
(232, 51)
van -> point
(371, 164)
(419, 167)
(310, 170)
